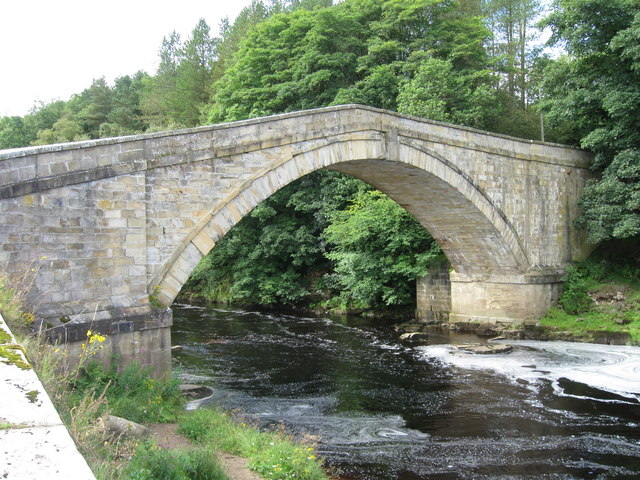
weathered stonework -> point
(433, 296)
(103, 224)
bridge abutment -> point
(433, 295)
(476, 298)
(144, 339)
(509, 299)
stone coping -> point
(24, 151)
(34, 443)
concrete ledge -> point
(34, 443)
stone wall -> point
(433, 296)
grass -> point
(272, 455)
(152, 462)
(601, 297)
(588, 325)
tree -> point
(126, 114)
(292, 61)
(175, 96)
(438, 92)
(157, 96)
(596, 88)
(194, 75)
(378, 251)
(13, 133)
(275, 255)
(64, 130)
(513, 25)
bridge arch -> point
(474, 233)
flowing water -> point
(379, 410)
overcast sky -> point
(51, 49)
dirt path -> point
(167, 436)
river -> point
(379, 410)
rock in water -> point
(194, 391)
(414, 338)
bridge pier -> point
(144, 338)
(476, 298)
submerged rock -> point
(409, 327)
(485, 349)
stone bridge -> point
(100, 231)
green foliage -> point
(132, 393)
(613, 263)
(181, 86)
(289, 62)
(438, 92)
(272, 255)
(612, 204)
(575, 298)
(99, 111)
(13, 132)
(272, 455)
(151, 462)
(378, 251)
(597, 90)
(611, 276)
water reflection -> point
(380, 410)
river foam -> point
(608, 368)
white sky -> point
(51, 49)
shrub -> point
(575, 298)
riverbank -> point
(610, 316)
(94, 403)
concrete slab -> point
(34, 443)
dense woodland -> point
(331, 240)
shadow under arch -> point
(474, 234)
